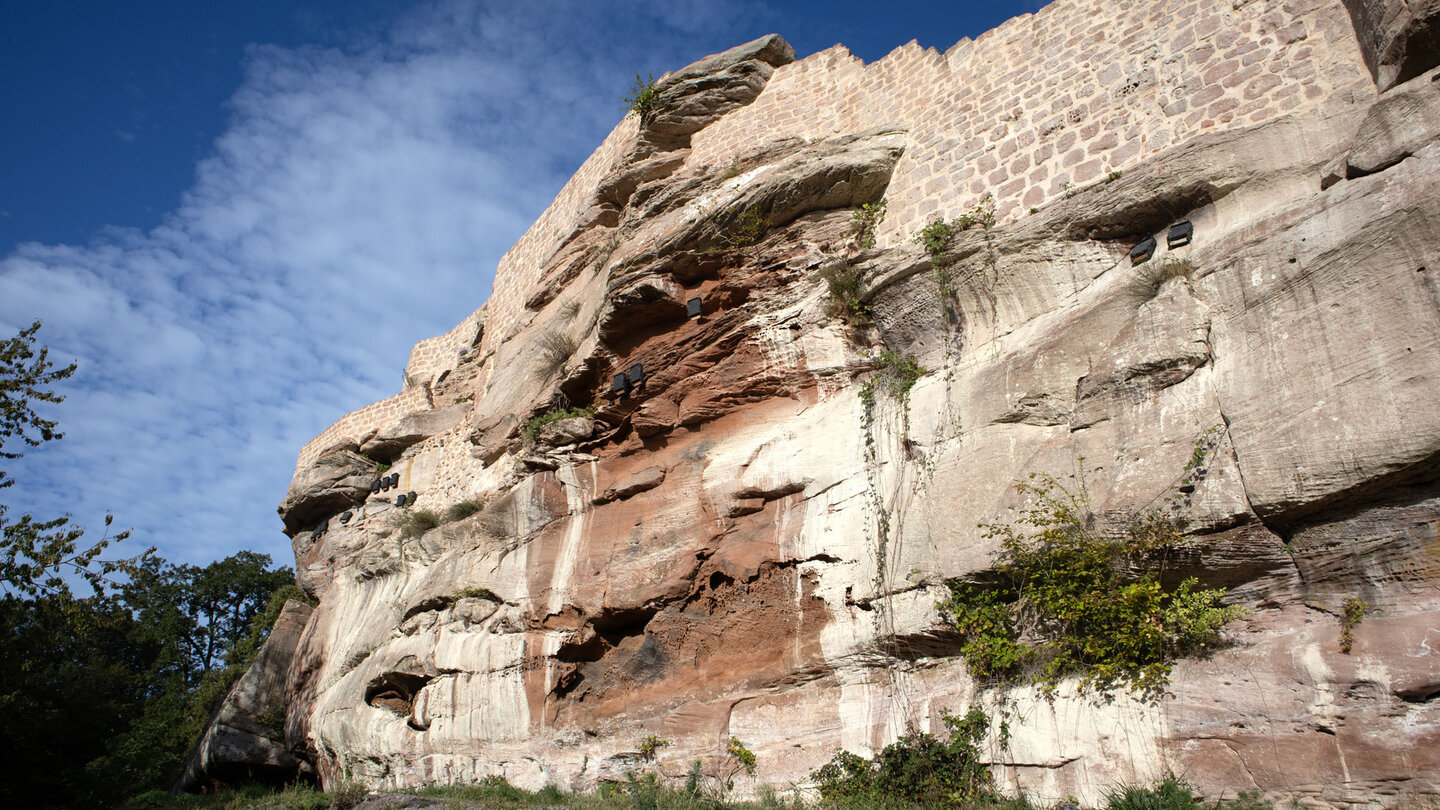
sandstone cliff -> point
(729, 540)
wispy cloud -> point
(358, 201)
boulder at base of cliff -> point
(245, 740)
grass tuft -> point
(556, 349)
(1151, 276)
(415, 522)
(463, 509)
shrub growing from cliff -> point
(1151, 276)
(556, 349)
(867, 219)
(895, 374)
(845, 288)
(532, 428)
(1064, 601)
(464, 509)
(918, 768)
(642, 96)
(1350, 616)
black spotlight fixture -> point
(375, 487)
(345, 516)
(400, 499)
(619, 386)
(411, 496)
(693, 308)
(394, 481)
(1180, 234)
(1143, 250)
(637, 375)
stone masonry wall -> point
(1029, 111)
(501, 314)
(520, 266)
(434, 356)
(354, 425)
(1063, 96)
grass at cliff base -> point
(496, 794)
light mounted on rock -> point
(345, 516)
(620, 385)
(411, 496)
(1180, 234)
(1143, 250)
(400, 499)
(636, 375)
(693, 307)
(375, 487)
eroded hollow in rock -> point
(395, 692)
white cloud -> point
(358, 201)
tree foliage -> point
(101, 694)
(37, 555)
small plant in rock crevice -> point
(415, 522)
(895, 375)
(936, 238)
(464, 509)
(867, 219)
(476, 592)
(556, 349)
(650, 745)
(742, 759)
(746, 227)
(602, 257)
(844, 285)
(643, 95)
(532, 428)
(1151, 276)
(1351, 615)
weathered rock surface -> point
(1400, 39)
(340, 478)
(390, 441)
(744, 544)
(245, 740)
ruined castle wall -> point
(433, 356)
(1043, 104)
(1056, 100)
(520, 266)
(501, 314)
(354, 425)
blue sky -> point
(239, 217)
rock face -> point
(1400, 39)
(245, 740)
(741, 542)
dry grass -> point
(1151, 276)
(556, 349)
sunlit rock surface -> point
(732, 546)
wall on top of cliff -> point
(1087, 87)
(1058, 99)
(1029, 112)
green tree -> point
(36, 555)
(101, 694)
